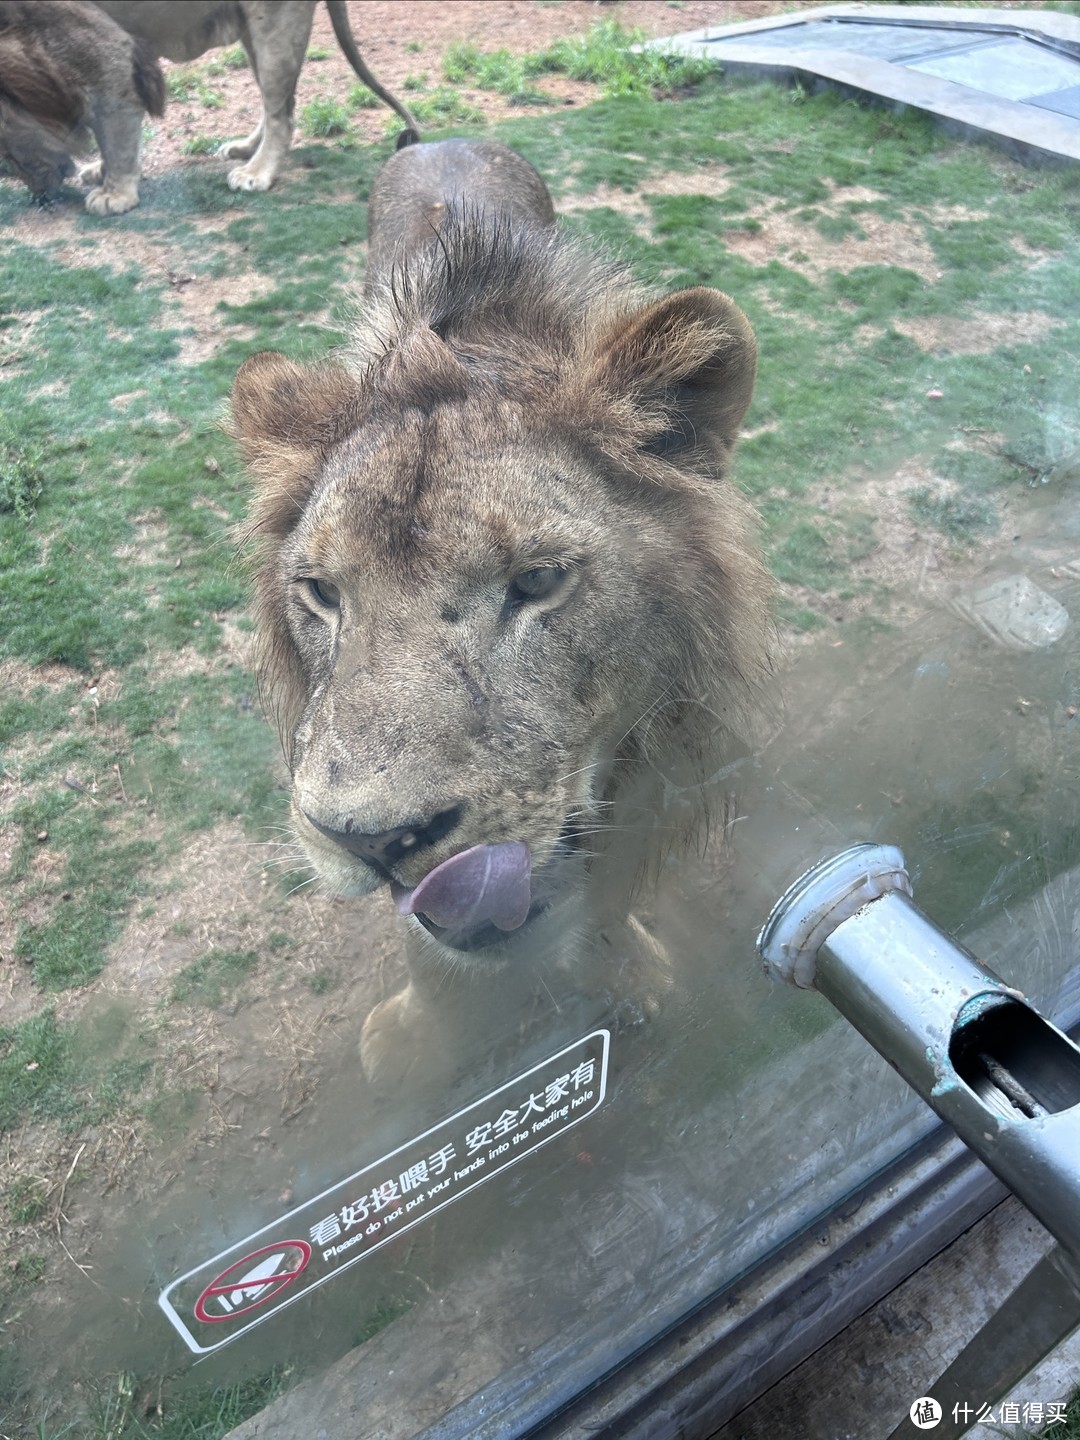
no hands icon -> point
(276, 1267)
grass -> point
(960, 518)
(222, 61)
(214, 977)
(201, 145)
(361, 98)
(131, 728)
(324, 117)
(189, 83)
(73, 1075)
(124, 1409)
(603, 56)
(21, 478)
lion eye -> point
(324, 593)
(538, 583)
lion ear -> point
(285, 417)
(687, 365)
(274, 398)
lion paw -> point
(92, 173)
(400, 1048)
(244, 178)
(388, 1047)
(112, 199)
(239, 149)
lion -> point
(504, 589)
(68, 72)
(275, 37)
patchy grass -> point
(21, 478)
(75, 1075)
(604, 56)
(440, 107)
(201, 145)
(122, 1408)
(361, 98)
(186, 82)
(961, 518)
(214, 978)
(324, 117)
(220, 63)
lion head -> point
(499, 567)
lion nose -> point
(387, 847)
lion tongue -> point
(488, 882)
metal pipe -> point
(1004, 1078)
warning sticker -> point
(223, 1298)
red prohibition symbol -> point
(232, 1294)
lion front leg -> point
(262, 169)
(243, 149)
(117, 127)
(402, 1043)
(434, 1029)
(276, 52)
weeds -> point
(441, 106)
(497, 70)
(21, 478)
(361, 98)
(324, 117)
(184, 82)
(234, 58)
(616, 60)
(201, 145)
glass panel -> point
(557, 1165)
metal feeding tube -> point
(1004, 1078)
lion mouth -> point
(484, 937)
(475, 899)
(481, 889)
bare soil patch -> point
(976, 334)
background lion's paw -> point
(239, 149)
(112, 199)
(244, 178)
(92, 173)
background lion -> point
(275, 37)
(503, 587)
(66, 72)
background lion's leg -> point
(276, 55)
(117, 125)
(244, 149)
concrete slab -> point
(1014, 68)
(1065, 102)
(1008, 76)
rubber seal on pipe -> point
(827, 895)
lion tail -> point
(339, 18)
(147, 78)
